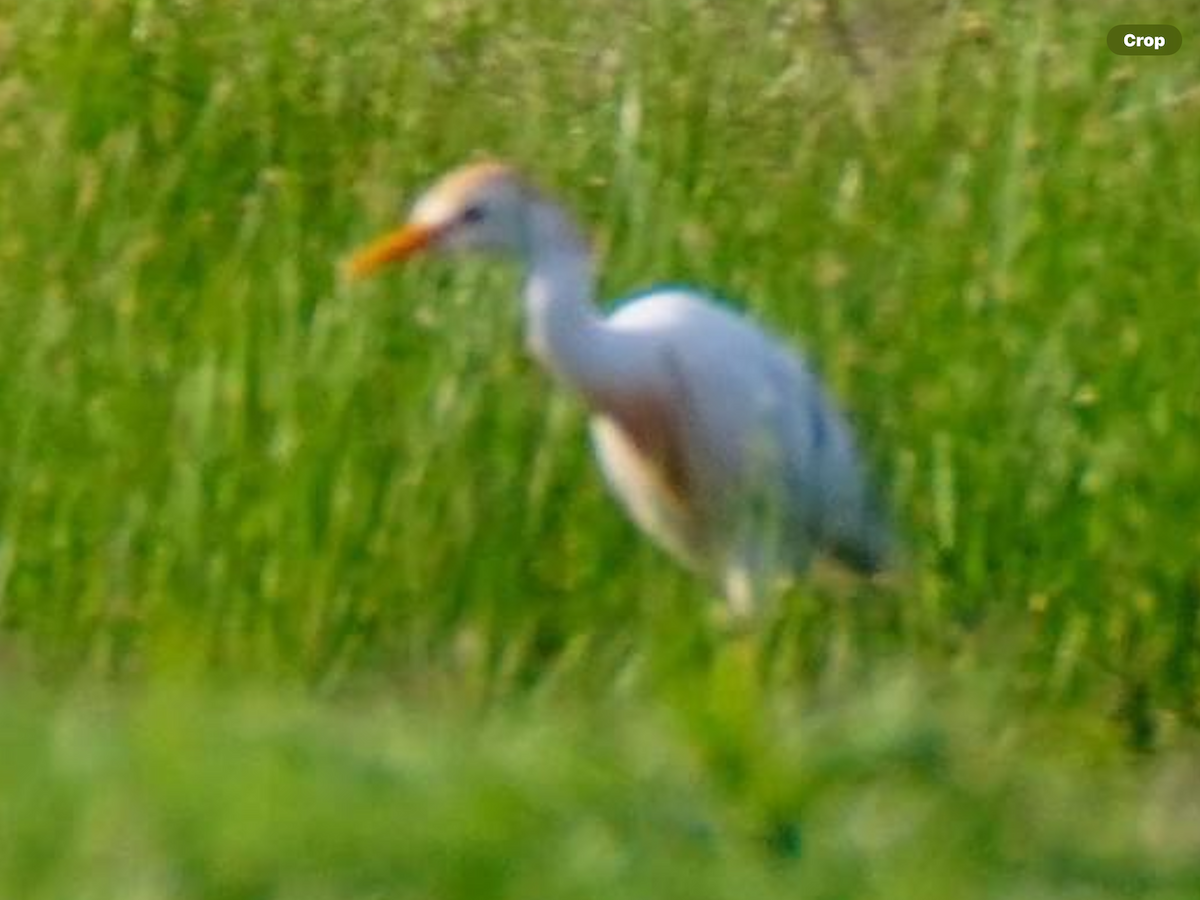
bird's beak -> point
(392, 247)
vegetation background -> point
(309, 591)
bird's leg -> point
(747, 602)
(741, 593)
(760, 545)
(748, 580)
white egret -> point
(717, 439)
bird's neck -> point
(565, 331)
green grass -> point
(310, 590)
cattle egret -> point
(716, 438)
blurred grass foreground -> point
(311, 591)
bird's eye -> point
(473, 214)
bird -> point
(716, 437)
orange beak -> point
(392, 247)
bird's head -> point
(482, 207)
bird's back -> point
(764, 443)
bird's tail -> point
(869, 545)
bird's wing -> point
(735, 391)
(713, 374)
(847, 519)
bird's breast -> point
(643, 438)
